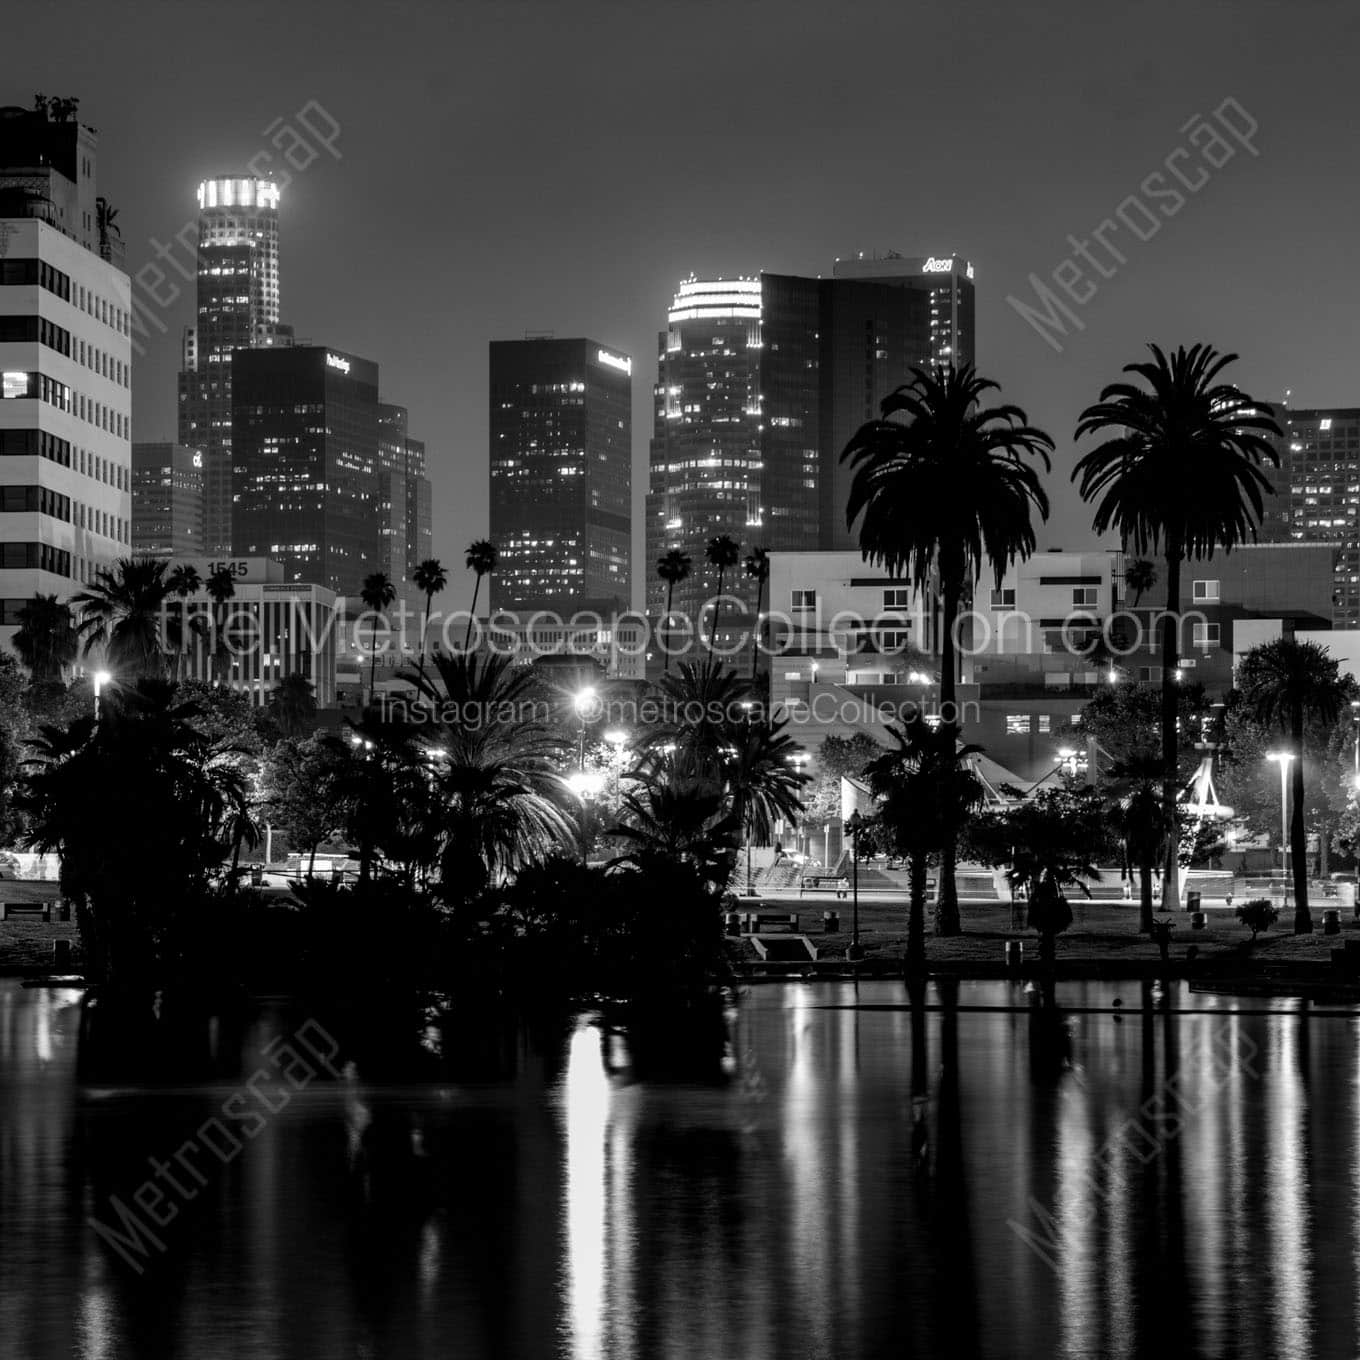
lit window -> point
(1017, 724)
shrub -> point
(1257, 915)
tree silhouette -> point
(943, 488)
(1180, 474)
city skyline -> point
(1208, 274)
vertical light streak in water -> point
(1291, 1267)
(1208, 1098)
(585, 1112)
(1354, 1158)
(1119, 1261)
(857, 1119)
(1078, 1284)
(808, 1171)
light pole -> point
(618, 740)
(799, 760)
(101, 678)
(584, 703)
(854, 826)
(1355, 718)
(1283, 758)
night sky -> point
(558, 167)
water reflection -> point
(851, 1171)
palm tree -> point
(679, 818)
(1181, 475)
(699, 709)
(122, 612)
(183, 582)
(758, 569)
(1140, 576)
(481, 558)
(377, 593)
(502, 801)
(106, 220)
(221, 587)
(722, 552)
(1289, 684)
(925, 786)
(292, 702)
(46, 638)
(430, 578)
(939, 496)
(673, 568)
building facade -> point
(305, 432)
(167, 500)
(561, 472)
(762, 383)
(404, 497)
(237, 309)
(65, 369)
(1317, 495)
(271, 627)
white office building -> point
(65, 367)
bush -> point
(1257, 915)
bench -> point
(12, 909)
(762, 922)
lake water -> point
(1179, 1177)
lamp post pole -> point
(854, 825)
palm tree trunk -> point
(916, 915)
(666, 648)
(311, 862)
(947, 899)
(1171, 877)
(425, 633)
(373, 670)
(717, 606)
(472, 613)
(1298, 837)
(1145, 898)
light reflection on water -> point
(854, 1190)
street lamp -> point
(585, 784)
(1283, 758)
(585, 703)
(854, 825)
(101, 678)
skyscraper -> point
(238, 308)
(404, 496)
(305, 436)
(167, 500)
(561, 449)
(762, 382)
(65, 364)
(1317, 495)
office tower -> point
(65, 364)
(419, 507)
(391, 470)
(305, 443)
(238, 308)
(705, 473)
(1317, 495)
(404, 496)
(762, 383)
(167, 500)
(560, 472)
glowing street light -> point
(101, 678)
(1283, 758)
